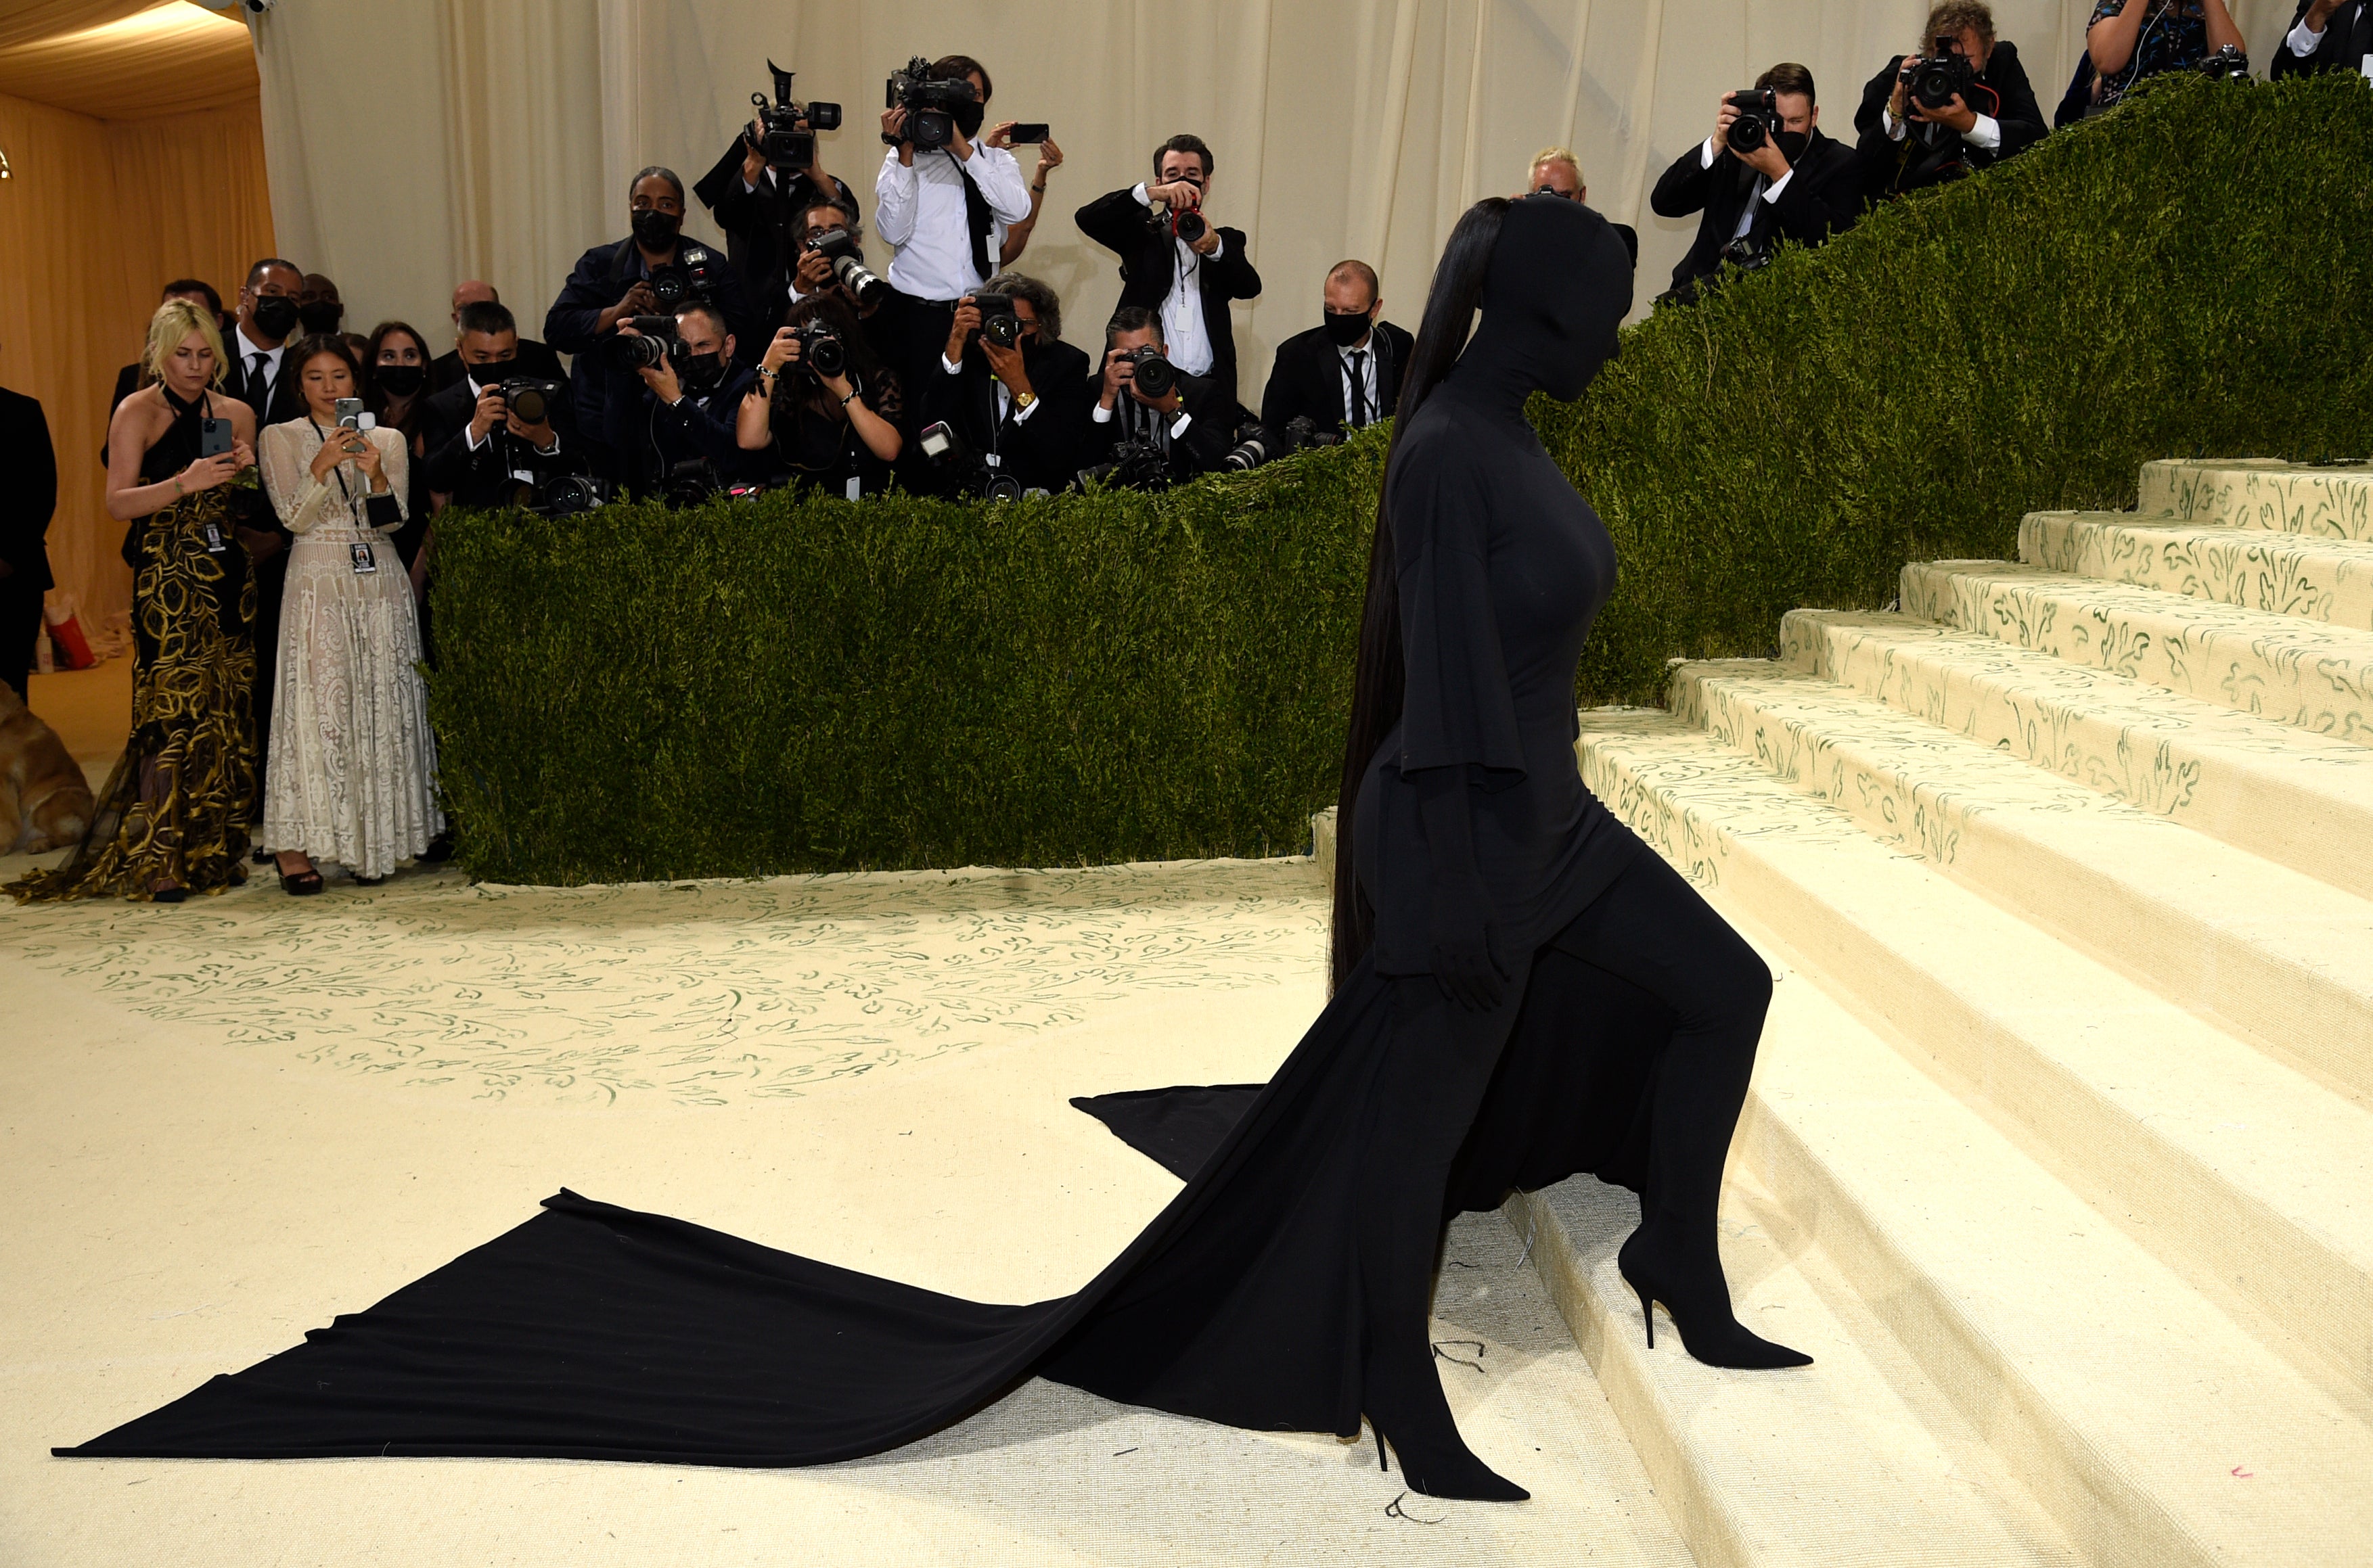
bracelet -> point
(844, 402)
(1040, 190)
(178, 491)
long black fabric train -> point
(1287, 1287)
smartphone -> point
(350, 412)
(1030, 131)
(213, 438)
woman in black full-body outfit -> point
(1523, 992)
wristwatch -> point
(1023, 400)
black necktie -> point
(1358, 388)
(259, 387)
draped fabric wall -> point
(95, 217)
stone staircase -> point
(2060, 1154)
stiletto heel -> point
(1647, 1314)
(1709, 1331)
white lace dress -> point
(350, 769)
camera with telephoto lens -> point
(821, 353)
(838, 247)
(654, 344)
(967, 472)
(931, 104)
(1937, 80)
(787, 128)
(1000, 323)
(1758, 121)
(531, 400)
(2228, 64)
(1135, 465)
(693, 275)
(1152, 370)
(565, 494)
(1254, 445)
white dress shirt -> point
(918, 209)
(1712, 150)
(1182, 307)
(1149, 418)
(248, 350)
(1368, 383)
(477, 391)
(2303, 41)
(1986, 132)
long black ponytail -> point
(1377, 688)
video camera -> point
(787, 128)
(654, 344)
(839, 247)
(1935, 80)
(971, 473)
(931, 104)
(532, 400)
(1758, 121)
(690, 277)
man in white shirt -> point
(943, 211)
(2329, 35)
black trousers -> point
(20, 621)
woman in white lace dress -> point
(350, 772)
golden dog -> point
(45, 803)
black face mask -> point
(401, 380)
(702, 371)
(968, 117)
(1792, 144)
(321, 316)
(275, 315)
(656, 230)
(1345, 327)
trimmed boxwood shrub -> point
(789, 685)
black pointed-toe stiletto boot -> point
(1405, 1404)
(1699, 1299)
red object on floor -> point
(71, 648)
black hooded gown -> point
(1289, 1280)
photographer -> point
(824, 222)
(1017, 237)
(535, 358)
(825, 409)
(1175, 263)
(1345, 372)
(2327, 35)
(652, 272)
(1762, 176)
(1906, 144)
(1022, 406)
(758, 207)
(692, 414)
(1556, 172)
(480, 449)
(944, 210)
(1191, 422)
(2129, 41)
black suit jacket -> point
(1149, 269)
(288, 402)
(1893, 166)
(1307, 378)
(29, 497)
(758, 225)
(482, 477)
(1823, 199)
(609, 402)
(1042, 452)
(1210, 426)
(2348, 40)
(534, 359)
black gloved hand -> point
(1459, 926)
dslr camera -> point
(1184, 223)
(565, 494)
(848, 269)
(531, 400)
(1939, 79)
(2228, 64)
(999, 322)
(787, 128)
(655, 345)
(1152, 370)
(1758, 121)
(969, 472)
(931, 104)
(1135, 465)
(691, 276)
(821, 353)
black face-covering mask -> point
(401, 380)
(968, 118)
(1345, 327)
(275, 315)
(321, 317)
(1559, 285)
(702, 371)
(656, 230)
(1792, 144)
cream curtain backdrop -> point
(415, 145)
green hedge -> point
(817, 685)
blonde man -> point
(1556, 172)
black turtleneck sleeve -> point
(1455, 708)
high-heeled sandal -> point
(300, 884)
(1717, 1338)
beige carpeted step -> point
(2245, 1176)
(1873, 1452)
(2315, 579)
(2151, 1426)
(2298, 672)
(2265, 787)
(2283, 957)
(2258, 492)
